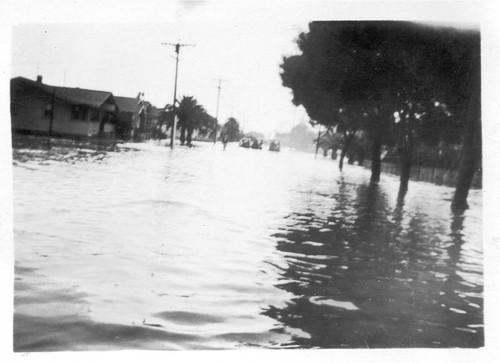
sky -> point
(130, 58)
(241, 44)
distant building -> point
(128, 116)
(149, 124)
(137, 119)
(42, 109)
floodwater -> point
(142, 247)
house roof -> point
(127, 104)
(78, 96)
(132, 105)
(154, 112)
(83, 96)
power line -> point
(177, 50)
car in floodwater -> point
(256, 144)
(246, 142)
(274, 145)
(251, 142)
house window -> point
(78, 112)
(94, 114)
(75, 112)
(48, 110)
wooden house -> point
(128, 116)
(42, 109)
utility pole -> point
(51, 121)
(217, 109)
(52, 110)
(177, 49)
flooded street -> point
(143, 247)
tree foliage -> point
(232, 129)
(191, 116)
(402, 83)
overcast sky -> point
(240, 43)
(128, 58)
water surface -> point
(141, 247)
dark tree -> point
(419, 76)
(437, 94)
(468, 94)
(190, 115)
(206, 125)
(337, 71)
(351, 119)
(232, 129)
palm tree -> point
(206, 125)
(190, 115)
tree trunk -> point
(472, 143)
(405, 159)
(468, 165)
(376, 156)
(405, 156)
(341, 160)
(189, 137)
(317, 143)
(348, 137)
(183, 134)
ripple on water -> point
(325, 301)
(141, 247)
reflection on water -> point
(138, 246)
(368, 276)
